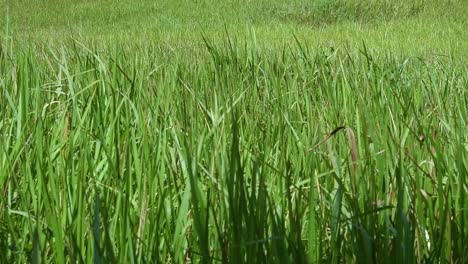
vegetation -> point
(234, 141)
(415, 27)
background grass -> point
(416, 27)
(299, 132)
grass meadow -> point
(241, 131)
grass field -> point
(233, 131)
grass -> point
(226, 147)
(418, 27)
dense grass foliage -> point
(233, 154)
(291, 132)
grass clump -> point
(330, 12)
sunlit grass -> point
(232, 154)
(233, 131)
(415, 28)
